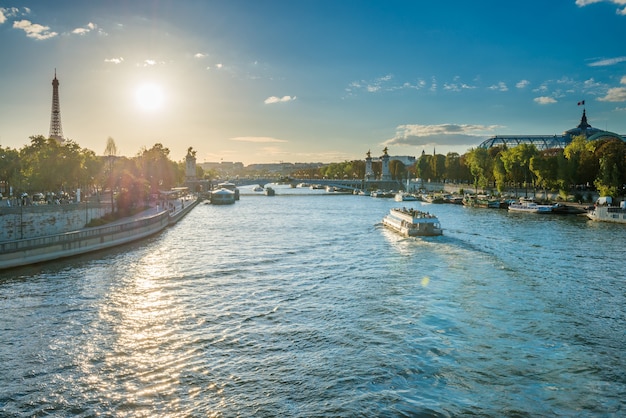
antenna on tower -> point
(56, 131)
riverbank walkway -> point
(89, 239)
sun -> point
(149, 97)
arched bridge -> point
(346, 184)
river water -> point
(302, 305)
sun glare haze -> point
(149, 97)
(321, 81)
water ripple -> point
(305, 306)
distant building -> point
(222, 166)
(544, 142)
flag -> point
(581, 103)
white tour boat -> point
(412, 222)
(529, 206)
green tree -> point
(452, 166)
(50, 166)
(92, 166)
(480, 165)
(517, 163)
(582, 165)
(438, 166)
(611, 154)
(423, 165)
(545, 168)
(156, 168)
(10, 167)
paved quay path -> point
(177, 206)
(84, 240)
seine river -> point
(302, 305)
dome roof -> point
(604, 135)
(543, 142)
(583, 128)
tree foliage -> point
(44, 165)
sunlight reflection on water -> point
(305, 305)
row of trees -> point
(46, 166)
(599, 164)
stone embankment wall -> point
(25, 222)
(51, 247)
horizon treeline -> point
(595, 165)
(45, 165)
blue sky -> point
(309, 80)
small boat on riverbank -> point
(529, 206)
(481, 201)
(405, 197)
(222, 197)
(412, 223)
(229, 186)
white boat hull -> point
(608, 214)
(530, 208)
(421, 225)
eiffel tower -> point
(56, 131)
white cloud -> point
(201, 55)
(607, 61)
(6, 13)
(522, 84)
(457, 86)
(371, 86)
(544, 100)
(501, 86)
(85, 29)
(582, 3)
(114, 60)
(34, 30)
(444, 134)
(257, 139)
(615, 94)
(620, 3)
(284, 99)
